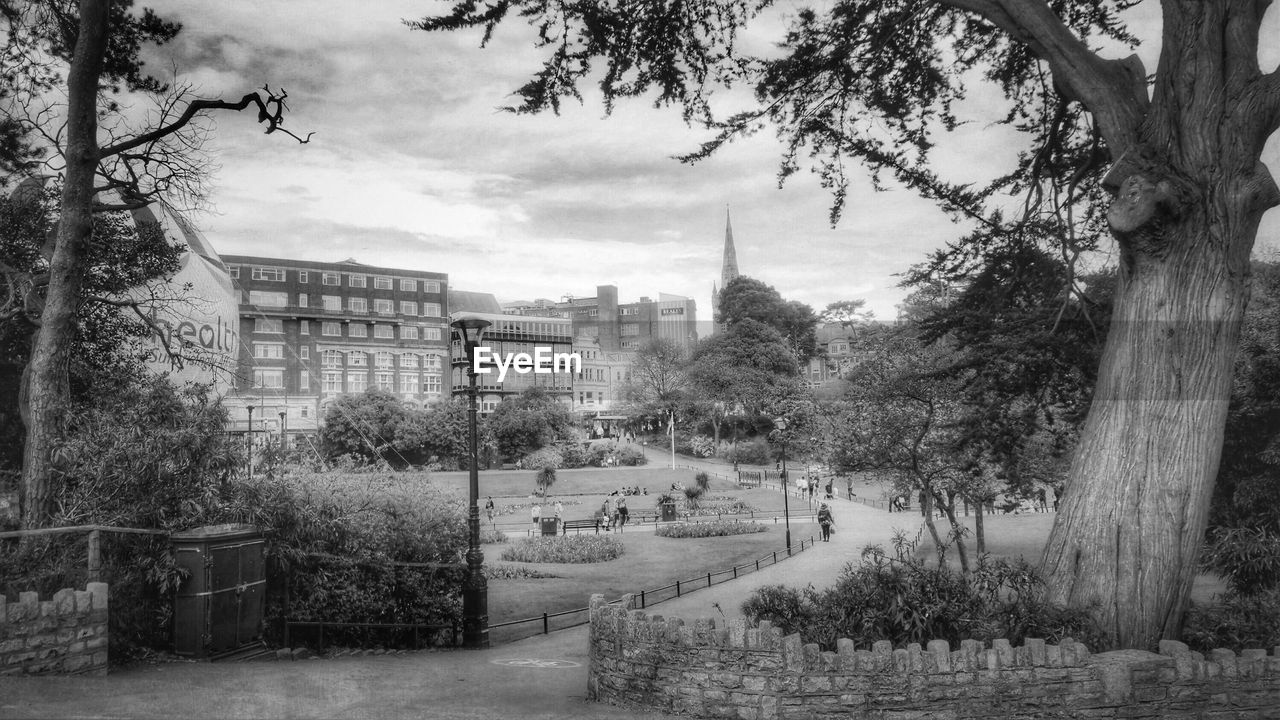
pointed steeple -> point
(729, 270)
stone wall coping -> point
(618, 621)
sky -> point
(413, 165)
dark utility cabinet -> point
(219, 606)
(550, 526)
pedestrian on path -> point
(825, 520)
(559, 514)
(536, 512)
(623, 513)
(488, 508)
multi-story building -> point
(506, 336)
(623, 326)
(311, 331)
(599, 389)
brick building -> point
(311, 331)
(622, 326)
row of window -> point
(275, 326)
(380, 282)
(334, 358)
(381, 306)
(356, 382)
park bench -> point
(580, 525)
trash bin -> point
(549, 526)
(668, 511)
(219, 607)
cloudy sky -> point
(413, 166)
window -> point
(627, 345)
(383, 307)
(304, 410)
(268, 274)
(234, 271)
(268, 299)
(268, 351)
(357, 359)
(593, 312)
(431, 384)
(331, 279)
(303, 300)
(304, 380)
(357, 382)
(357, 304)
(384, 360)
(355, 281)
(358, 330)
(627, 311)
(385, 381)
(408, 308)
(431, 333)
(330, 359)
(408, 360)
(630, 329)
(430, 287)
(302, 276)
(409, 383)
(431, 362)
(304, 353)
(382, 283)
(431, 309)
(331, 329)
(268, 325)
(332, 302)
(409, 285)
(332, 382)
(384, 331)
(304, 327)
(409, 332)
(268, 378)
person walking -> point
(559, 511)
(488, 508)
(825, 520)
(623, 513)
(536, 512)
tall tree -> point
(748, 366)
(746, 298)
(99, 42)
(876, 80)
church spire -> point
(729, 270)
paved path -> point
(497, 683)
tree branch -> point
(274, 120)
(1115, 91)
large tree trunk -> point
(45, 380)
(1191, 193)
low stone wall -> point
(732, 670)
(66, 634)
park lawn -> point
(1023, 535)
(649, 562)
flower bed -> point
(709, 529)
(565, 549)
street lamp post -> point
(250, 442)
(475, 590)
(284, 432)
(781, 425)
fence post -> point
(775, 556)
(95, 555)
(708, 579)
(642, 605)
(545, 631)
(735, 572)
(677, 588)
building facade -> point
(508, 335)
(311, 331)
(623, 327)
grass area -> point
(1024, 535)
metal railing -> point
(653, 596)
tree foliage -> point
(746, 298)
(748, 366)
(529, 421)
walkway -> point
(542, 677)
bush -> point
(490, 535)
(906, 602)
(494, 571)
(719, 528)
(565, 549)
(1248, 558)
(724, 505)
(1236, 621)
(574, 455)
(547, 457)
(787, 608)
(630, 457)
(749, 452)
(702, 446)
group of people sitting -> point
(630, 491)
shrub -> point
(493, 571)
(630, 457)
(702, 446)
(545, 479)
(749, 452)
(1236, 621)
(906, 602)
(574, 455)
(1248, 558)
(565, 549)
(719, 528)
(789, 609)
(547, 457)
(489, 535)
(724, 505)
